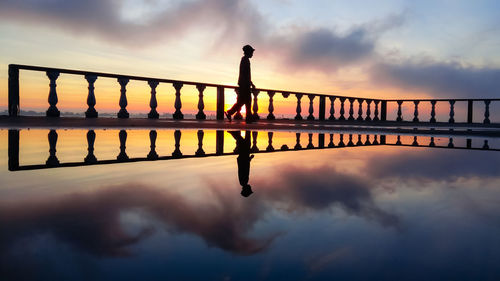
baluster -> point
(368, 110)
(452, 111)
(311, 107)
(360, 110)
(400, 117)
(255, 104)
(90, 158)
(152, 140)
(153, 103)
(297, 142)
(332, 108)
(200, 151)
(299, 110)
(367, 141)
(450, 143)
(351, 109)
(123, 113)
(330, 143)
(122, 156)
(52, 160)
(201, 105)
(177, 151)
(350, 143)
(178, 104)
(415, 142)
(271, 116)
(487, 112)
(52, 111)
(485, 145)
(375, 140)
(254, 141)
(238, 115)
(310, 143)
(270, 142)
(375, 118)
(359, 142)
(398, 142)
(341, 141)
(415, 113)
(433, 111)
(432, 144)
(342, 110)
(91, 112)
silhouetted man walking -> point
(244, 158)
(245, 86)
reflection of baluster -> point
(122, 135)
(400, 114)
(321, 140)
(367, 142)
(342, 110)
(219, 142)
(375, 118)
(360, 110)
(432, 142)
(91, 112)
(350, 143)
(255, 105)
(398, 141)
(270, 142)
(359, 142)
(433, 111)
(153, 103)
(485, 145)
(311, 107)
(254, 141)
(368, 110)
(375, 139)
(298, 109)
(123, 113)
(13, 150)
(201, 105)
(452, 112)
(450, 143)
(415, 142)
(469, 143)
(238, 115)
(284, 147)
(332, 108)
(177, 152)
(415, 112)
(178, 104)
(90, 158)
(152, 140)
(52, 160)
(200, 151)
(341, 141)
(271, 116)
(330, 143)
(310, 144)
(297, 141)
(486, 112)
(351, 109)
(53, 111)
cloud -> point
(440, 79)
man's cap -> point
(248, 48)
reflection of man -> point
(244, 158)
(245, 86)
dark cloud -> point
(440, 79)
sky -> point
(391, 48)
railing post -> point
(91, 112)
(382, 139)
(383, 111)
(152, 155)
(90, 158)
(200, 151)
(13, 150)
(122, 156)
(298, 110)
(321, 140)
(469, 111)
(123, 113)
(452, 111)
(322, 107)
(153, 103)
(177, 138)
(368, 110)
(375, 118)
(297, 142)
(342, 110)
(415, 113)
(351, 109)
(360, 110)
(433, 111)
(201, 105)
(178, 104)
(53, 111)
(487, 112)
(332, 108)
(400, 114)
(311, 107)
(255, 104)
(52, 160)
(220, 103)
(13, 91)
(271, 116)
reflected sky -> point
(363, 212)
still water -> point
(168, 205)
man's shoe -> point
(227, 115)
